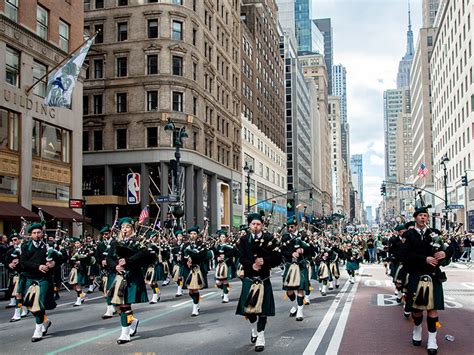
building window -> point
(11, 9)
(63, 36)
(122, 31)
(152, 64)
(152, 28)
(12, 66)
(50, 142)
(85, 105)
(42, 22)
(195, 103)
(99, 4)
(177, 31)
(195, 71)
(177, 65)
(178, 2)
(99, 28)
(121, 102)
(177, 101)
(194, 36)
(122, 2)
(98, 68)
(85, 141)
(97, 104)
(9, 126)
(152, 137)
(121, 138)
(152, 100)
(122, 66)
(39, 72)
(98, 140)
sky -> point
(369, 39)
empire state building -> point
(403, 76)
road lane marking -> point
(323, 326)
(87, 299)
(116, 330)
(186, 302)
(336, 338)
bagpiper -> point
(80, 261)
(422, 254)
(225, 254)
(259, 253)
(129, 257)
(38, 263)
(295, 254)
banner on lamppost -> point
(133, 188)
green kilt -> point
(110, 280)
(46, 299)
(21, 288)
(159, 273)
(314, 272)
(352, 265)
(135, 292)
(268, 306)
(186, 271)
(304, 278)
(438, 296)
(82, 277)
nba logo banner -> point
(133, 188)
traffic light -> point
(464, 180)
(311, 196)
(383, 190)
(290, 207)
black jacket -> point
(249, 251)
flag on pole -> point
(61, 83)
(422, 170)
(143, 215)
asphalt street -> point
(354, 319)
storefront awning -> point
(64, 214)
(14, 211)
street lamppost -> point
(444, 160)
(249, 171)
(178, 134)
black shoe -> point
(45, 331)
(56, 296)
(337, 286)
(13, 320)
(399, 300)
(432, 351)
(253, 339)
(177, 295)
(34, 340)
(120, 341)
(406, 315)
(416, 342)
(323, 293)
(10, 306)
(293, 314)
(106, 317)
(259, 348)
(299, 319)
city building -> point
(159, 61)
(325, 27)
(337, 166)
(263, 120)
(421, 114)
(430, 9)
(339, 89)
(404, 152)
(40, 146)
(452, 113)
(368, 212)
(358, 175)
(298, 126)
(315, 73)
(404, 67)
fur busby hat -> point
(419, 210)
(254, 216)
(34, 226)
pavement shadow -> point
(173, 330)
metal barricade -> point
(3, 278)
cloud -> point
(376, 160)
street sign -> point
(444, 210)
(75, 203)
(167, 198)
(133, 188)
(406, 188)
(456, 207)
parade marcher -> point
(224, 253)
(324, 273)
(104, 247)
(93, 270)
(78, 276)
(178, 262)
(38, 264)
(128, 257)
(353, 258)
(422, 254)
(17, 279)
(258, 254)
(295, 276)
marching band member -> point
(18, 280)
(78, 275)
(258, 254)
(225, 271)
(422, 254)
(104, 247)
(38, 265)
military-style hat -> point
(13, 234)
(409, 224)
(179, 231)
(125, 220)
(243, 227)
(34, 226)
(399, 228)
(105, 229)
(221, 232)
(193, 229)
(419, 210)
(291, 221)
(254, 216)
(75, 239)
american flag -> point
(144, 214)
(422, 170)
